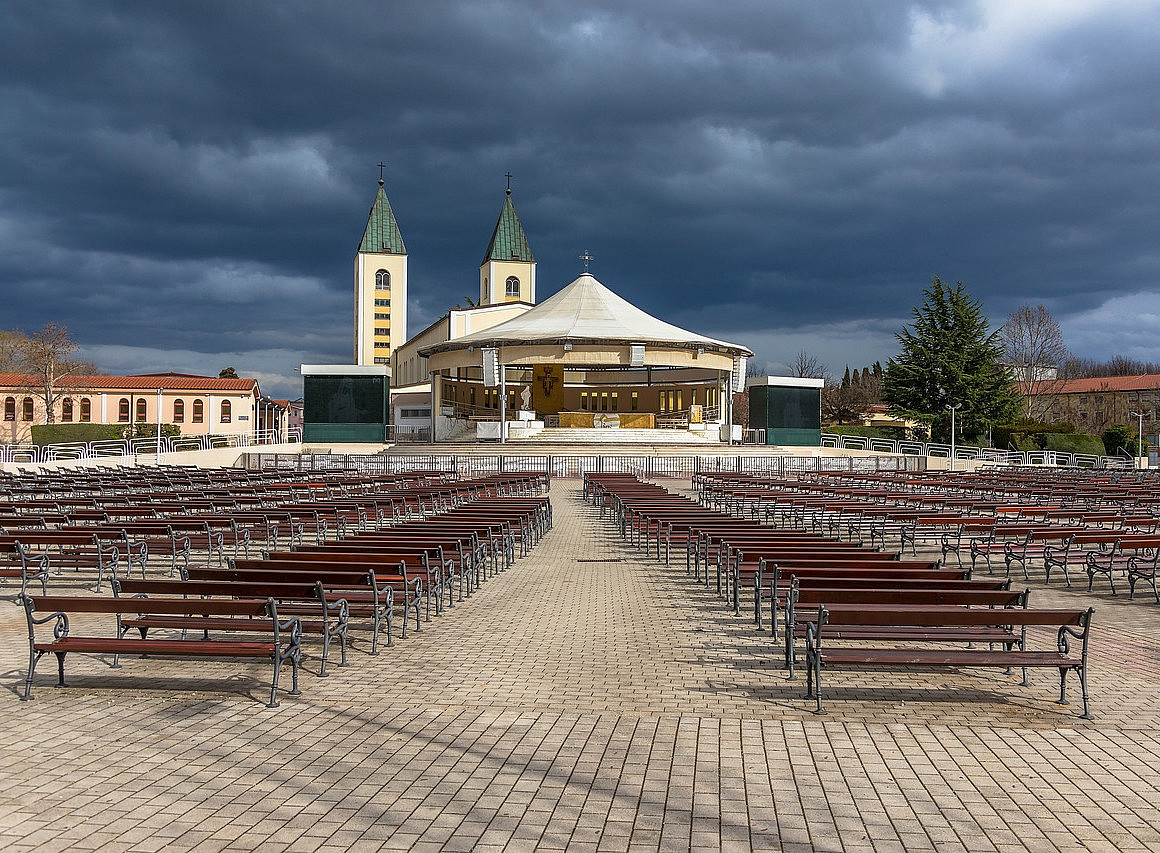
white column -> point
(502, 403)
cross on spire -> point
(382, 166)
(508, 175)
(586, 257)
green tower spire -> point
(382, 231)
(508, 241)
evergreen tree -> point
(950, 356)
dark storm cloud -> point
(184, 184)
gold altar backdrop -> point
(548, 389)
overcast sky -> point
(185, 183)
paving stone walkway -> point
(589, 698)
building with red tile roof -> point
(197, 405)
(1095, 403)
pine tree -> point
(950, 356)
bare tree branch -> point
(47, 358)
(1036, 352)
(806, 365)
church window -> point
(179, 411)
(141, 413)
(86, 410)
(123, 411)
(198, 411)
(26, 409)
(227, 412)
(512, 288)
(382, 280)
(9, 408)
(66, 409)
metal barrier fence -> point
(32, 454)
(986, 454)
(645, 466)
(901, 455)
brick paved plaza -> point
(587, 698)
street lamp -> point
(1139, 436)
(158, 426)
(952, 410)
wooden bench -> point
(1129, 553)
(771, 575)
(462, 557)
(325, 615)
(18, 562)
(283, 645)
(75, 548)
(829, 620)
(799, 597)
(369, 590)
(390, 566)
(1142, 567)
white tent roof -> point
(587, 312)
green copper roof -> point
(508, 241)
(382, 233)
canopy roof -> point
(587, 312)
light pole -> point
(952, 410)
(158, 426)
(1139, 437)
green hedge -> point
(66, 433)
(1076, 442)
(1028, 435)
(62, 433)
(868, 431)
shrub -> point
(868, 431)
(1120, 439)
(64, 433)
(1076, 442)
(1027, 434)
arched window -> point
(86, 410)
(512, 287)
(179, 411)
(198, 411)
(9, 408)
(66, 409)
(123, 410)
(382, 280)
(26, 409)
(226, 412)
(141, 413)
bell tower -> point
(380, 285)
(508, 271)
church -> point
(510, 367)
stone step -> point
(566, 435)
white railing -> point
(34, 454)
(990, 455)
